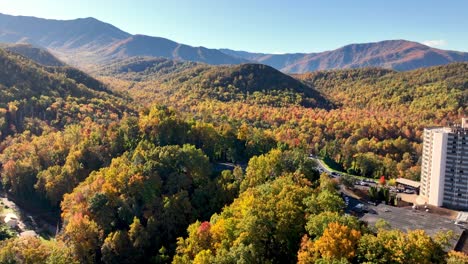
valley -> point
(146, 150)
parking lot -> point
(406, 218)
(402, 218)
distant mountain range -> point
(88, 41)
(399, 55)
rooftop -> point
(410, 183)
(10, 216)
(462, 217)
(455, 128)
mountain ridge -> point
(249, 82)
(399, 55)
(85, 42)
(36, 54)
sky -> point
(269, 26)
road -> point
(323, 168)
(336, 175)
(27, 221)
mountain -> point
(277, 61)
(88, 41)
(399, 55)
(141, 45)
(32, 94)
(82, 33)
(36, 54)
(142, 68)
(436, 89)
(253, 83)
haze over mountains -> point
(36, 54)
(87, 41)
(399, 55)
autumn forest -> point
(152, 160)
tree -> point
(307, 253)
(372, 250)
(81, 228)
(326, 183)
(6, 232)
(348, 181)
(117, 248)
(204, 257)
(382, 180)
(265, 224)
(382, 224)
(394, 246)
(324, 201)
(373, 193)
(275, 163)
(261, 169)
(337, 242)
(317, 223)
(32, 250)
(142, 202)
(455, 257)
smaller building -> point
(28, 233)
(409, 184)
(11, 220)
(462, 219)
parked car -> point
(363, 183)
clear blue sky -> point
(271, 26)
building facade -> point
(444, 168)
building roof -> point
(28, 233)
(407, 182)
(10, 216)
(462, 217)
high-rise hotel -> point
(444, 172)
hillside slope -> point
(36, 54)
(142, 68)
(31, 93)
(141, 45)
(434, 89)
(253, 83)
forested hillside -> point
(437, 90)
(250, 83)
(142, 68)
(371, 124)
(64, 129)
(33, 97)
(36, 54)
(133, 165)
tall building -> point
(444, 170)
